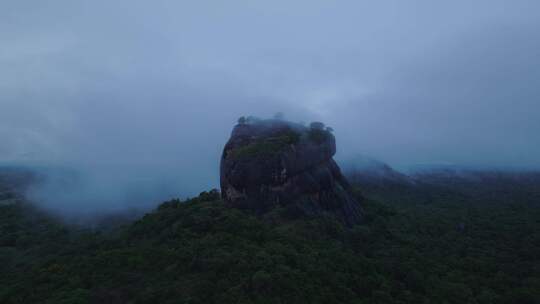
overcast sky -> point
(156, 86)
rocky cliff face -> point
(271, 163)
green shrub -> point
(267, 146)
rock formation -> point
(274, 163)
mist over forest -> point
(150, 92)
(270, 152)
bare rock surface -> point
(274, 163)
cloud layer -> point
(151, 90)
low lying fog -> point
(131, 102)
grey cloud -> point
(126, 91)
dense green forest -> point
(437, 245)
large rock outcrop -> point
(274, 163)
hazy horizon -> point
(131, 92)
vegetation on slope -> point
(267, 146)
(199, 251)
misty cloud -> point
(132, 92)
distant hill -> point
(365, 170)
(484, 186)
(427, 184)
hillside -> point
(200, 251)
(379, 181)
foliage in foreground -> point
(199, 251)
